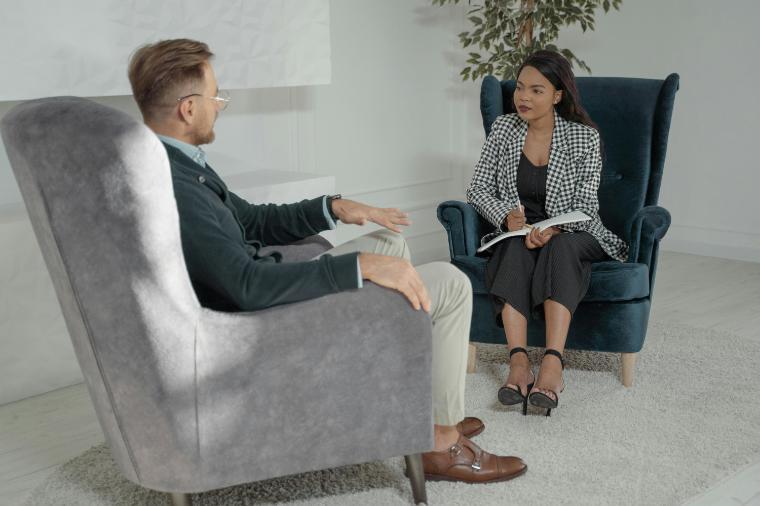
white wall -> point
(397, 128)
(712, 175)
(387, 128)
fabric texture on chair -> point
(192, 399)
(633, 116)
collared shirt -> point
(196, 154)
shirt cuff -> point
(360, 284)
(331, 222)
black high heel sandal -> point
(510, 396)
(540, 399)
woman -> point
(541, 162)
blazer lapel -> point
(557, 167)
(512, 153)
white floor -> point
(40, 433)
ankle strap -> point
(517, 350)
(557, 354)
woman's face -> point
(535, 96)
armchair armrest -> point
(462, 224)
(336, 380)
(648, 227)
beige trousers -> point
(450, 311)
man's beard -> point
(204, 137)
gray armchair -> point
(191, 399)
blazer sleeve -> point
(586, 195)
(220, 262)
(277, 224)
(483, 190)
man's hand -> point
(356, 213)
(536, 239)
(515, 219)
(398, 274)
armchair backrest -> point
(633, 116)
(98, 190)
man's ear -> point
(186, 110)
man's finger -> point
(410, 294)
(425, 299)
(397, 217)
(384, 222)
(422, 293)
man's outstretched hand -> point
(397, 274)
(356, 213)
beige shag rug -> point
(691, 418)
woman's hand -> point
(515, 219)
(536, 239)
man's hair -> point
(158, 72)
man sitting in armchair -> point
(222, 238)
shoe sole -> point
(510, 396)
(542, 401)
(437, 477)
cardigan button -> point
(201, 179)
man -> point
(176, 90)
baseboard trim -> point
(725, 250)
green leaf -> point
(496, 30)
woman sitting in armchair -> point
(538, 163)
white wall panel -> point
(81, 47)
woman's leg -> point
(557, 324)
(562, 277)
(510, 272)
(516, 330)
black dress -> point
(561, 270)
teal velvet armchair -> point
(633, 116)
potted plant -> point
(505, 32)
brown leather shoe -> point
(471, 427)
(466, 462)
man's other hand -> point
(398, 274)
(356, 213)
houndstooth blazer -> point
(572, 178)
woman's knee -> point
(560, 241)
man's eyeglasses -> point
(222, 98)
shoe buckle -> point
(455, 450)
(476, 464)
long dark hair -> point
(555, 67)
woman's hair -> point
(158, 71)
(555, 67)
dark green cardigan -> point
(222, 234)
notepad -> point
(562, 219)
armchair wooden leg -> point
(181, 499)
(416, 477)
(628, 361)
(472, 358)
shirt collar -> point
(195, 153)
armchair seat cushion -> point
(614, 281)
(610, 281)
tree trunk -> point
(526, 31)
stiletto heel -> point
(542, 400)
(510, 396)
